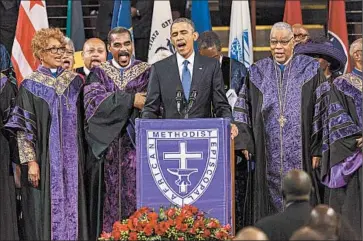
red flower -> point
(170, 212)
(130, 225)
(221, 235)
(148, 230)
(181, 238)
(133, 236)
(116, 234)
(106, 235)
(192, 231)
(152, 216)
(206, 233)
(213, 224)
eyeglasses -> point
(54, 50)
(300, 36)
(69, 52)
(282, 42)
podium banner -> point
(185, 161)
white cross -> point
(182, 156)
(183, 170)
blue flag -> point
(121, 14)
(201, 16)
(75, 26)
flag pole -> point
(69, 19)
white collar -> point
(86, 70)
(114, 63)
(181, 59)
(220, 60)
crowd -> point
(68, 135)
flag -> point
(337, 27)
(160, 29)
(31, 18)
(75, 26)
(292, 13)
(121, 14)
(240, 36)
(201, 16)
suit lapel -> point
(198, 70)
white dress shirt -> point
(180, 59)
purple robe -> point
(342, 159)
(276, 149)
(47, 112)
(110, 115)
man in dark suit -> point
(186, 84)
(296, 189)
(234, 72)
(9, 16)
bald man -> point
(250, 233)
(301, 34)
(296, 188)
(94, 53)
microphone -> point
(192, 99)
(178, 98)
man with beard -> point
(113, 96)
(275, 116)
(94, 53)
(301, 34)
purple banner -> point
(185, 162)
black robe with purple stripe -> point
(48, 111)
(8, 221)
(342, 159)
(257, 113)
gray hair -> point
(183, 20)
(282, 26)
(209, 39)
(355, 46)
(69, 42)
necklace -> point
(282, 99)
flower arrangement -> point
(186, 223)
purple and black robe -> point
(342, 159)
(275, 149)
(47, 122)
(110, 117)
(8, 220)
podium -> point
(186, 161)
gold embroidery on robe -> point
(59, 84)
(127, 76)
(26, 149)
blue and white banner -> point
(160, 31)
(185, 162)
(240, 37)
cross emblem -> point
(282, 120)
(183, 172)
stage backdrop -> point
(185, 162)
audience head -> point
(355, 53)
(161, 53)
(68, 56)
(301, 34)
(326, 221)
(120, 45)
(183, 35)
(281, 42)
(296, 186)
(209, 45)
(48, 47)
(307, 233)
(250, 233)
(94, 52)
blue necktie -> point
(186, 79)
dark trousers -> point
(141, 48)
